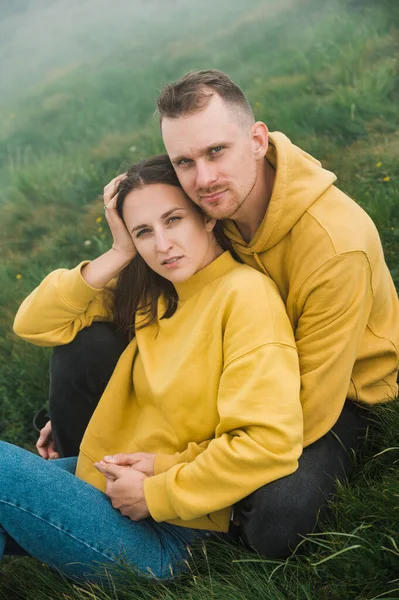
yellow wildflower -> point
(99, 220)
(378, 165)
(386, 178)
(12, 116)
(18, 276)
(99, 229)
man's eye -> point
(216, 149)
(183, 162)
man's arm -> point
(334, 306)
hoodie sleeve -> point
(60, 307)
(334, 305)
(258, 439)
(163, 462)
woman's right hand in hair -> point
(123, 242)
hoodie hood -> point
(299, 181)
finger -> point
(111, 188)
(117, 181)
(109, 471)
(51, 447)
(52, 453)
(122, 459)
(42, 450)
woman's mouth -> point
(171, 262)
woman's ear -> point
(210, 223)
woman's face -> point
(169, 233)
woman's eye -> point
(142, 232)
(173, 219)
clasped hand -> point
(125, 475)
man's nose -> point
(206, 175)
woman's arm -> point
(258, 439)
(68, 300)
(60, 306)
(259, 435)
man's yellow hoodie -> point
(325, 255)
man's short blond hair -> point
(193, 92)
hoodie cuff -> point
(157, 498)
(164, 462)
(74, 290)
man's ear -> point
(259, 139)
(210, 223)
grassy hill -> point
(77, 107)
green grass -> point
(354, 557)
(327, 75)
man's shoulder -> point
(337, 224)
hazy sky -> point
(43, 36)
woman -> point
(202, 408)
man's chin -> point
(218, 212)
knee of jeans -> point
(274, 529)
(10, 457)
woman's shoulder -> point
(245, 281)
(253, 305)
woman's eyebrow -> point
(164, 216)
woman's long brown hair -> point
(138, 287)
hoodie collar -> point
(218, 267)
(299, 182)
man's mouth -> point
(212, 197)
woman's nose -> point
(164, 243)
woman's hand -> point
(45, 443)
(125, 488)
(123, 242)
(140, 461)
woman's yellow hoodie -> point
(324, 253)
(213, 390)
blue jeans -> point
(73, 527)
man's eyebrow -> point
(164, 216)
(205, 150)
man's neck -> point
(252, 212)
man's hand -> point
(125, 487)
(140, 461)
(45, 443)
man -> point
(286, 218)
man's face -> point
(214, 155)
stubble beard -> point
(221, 212)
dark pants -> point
(273, 518)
